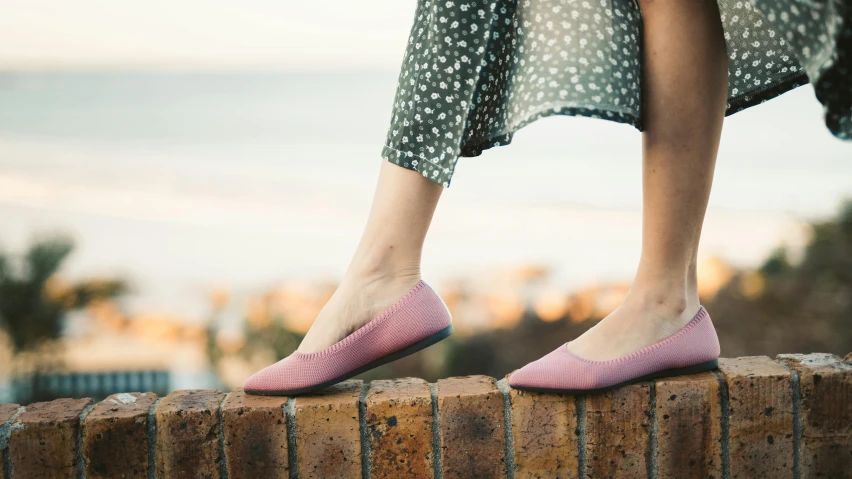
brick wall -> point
(755, 417)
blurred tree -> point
(33, 302)
(253, 346)
(787, 307)
(270, 341)
(784, 306)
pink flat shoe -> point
(693, 349)
(419, 319)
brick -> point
(399, 425)
(471, 430)
(618, 432)
(825, 385)
(544, 429)
(117, 427)
(7, 412)
(328, 439)
(689, 431)
(188, 434)
(255, 430)
(760, 417)
(43, 440)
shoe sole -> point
(698, 368)
(422, 344)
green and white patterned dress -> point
(476, 71)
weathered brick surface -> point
(328, 441)
(255, 429)
(825, 385)
(399, 425)
(471, 429)
(7, 411)
(249, 436)
(689, 431)
(544, 430)
(618, 432)
(188, 434)
(117, 427)
(761, 418)
(43, 440)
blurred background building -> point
(182, 183)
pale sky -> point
(215, 34)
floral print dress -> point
(476, 71)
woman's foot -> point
(415, 321)
(693, 349)
(641, 320)
(360, 297)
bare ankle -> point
(385, 265)
(665, 304)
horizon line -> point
(189, 69)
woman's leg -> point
(387, 261)
(685, 89)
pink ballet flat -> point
(693, 349)
(419, 319)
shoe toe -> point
(270, 378)
(555, 371)
(534, 374)
(256, 381)
(520, 378)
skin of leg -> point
(386, 263)
(684, 96)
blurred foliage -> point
(33, 302)
(797, 307)
(253, 347)
(270, 341)
(784, 306)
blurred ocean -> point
(183, 181)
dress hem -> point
(474, 148)
(776, 88)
